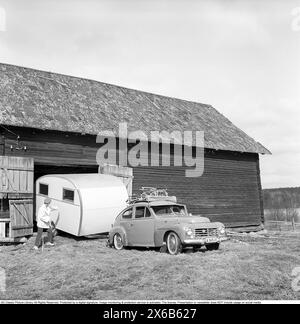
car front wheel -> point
(174, 245)
(118, 242)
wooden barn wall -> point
(54, 148)
(229, 190)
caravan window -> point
(68, 194)
(44, 188)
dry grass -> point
(244, 268)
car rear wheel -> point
(174, 245)
(213, 247)
(118, 242)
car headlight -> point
(188, 231)
(222, 230)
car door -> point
(142, 233)
(126, 223)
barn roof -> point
(45, 100)
(89, 181)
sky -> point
(241, 56)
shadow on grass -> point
(158, 250)
(82, 238)
(186, 250)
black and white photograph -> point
(149, 154)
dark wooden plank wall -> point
(55, 148)
(229, 190)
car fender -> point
(121, 231)
(159, 235)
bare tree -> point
(284, 207)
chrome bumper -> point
(204, 241)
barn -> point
(54, 120)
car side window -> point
(147, 212)
(139, 212)
(176, 209)
(127, 214)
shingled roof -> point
(45, 100)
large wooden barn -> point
(57, 117)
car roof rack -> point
(150, 194)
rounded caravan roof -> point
(90, 180)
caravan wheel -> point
(118, 242)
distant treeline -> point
(281, 198)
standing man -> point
(44, 222)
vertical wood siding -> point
(21, 218)
(228, 191)
(16, 177)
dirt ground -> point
(250, 268)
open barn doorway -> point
(42, 169)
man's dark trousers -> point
(39, 236)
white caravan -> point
(87, 203)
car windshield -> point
(170, 210)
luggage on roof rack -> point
(154, 192)
(151, 194)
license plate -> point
(211, 240)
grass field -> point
(244, 268)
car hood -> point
(188, 220)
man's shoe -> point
(35, 248)
(49, 244)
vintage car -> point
(159, 221)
